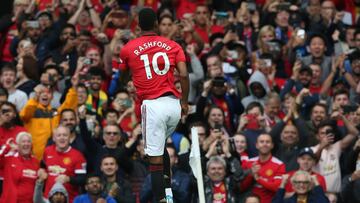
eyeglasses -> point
(301, 182)
(112, 133)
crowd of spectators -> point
(274, 96)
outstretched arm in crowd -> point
(325, 88)
(353, 133)
(76, 15)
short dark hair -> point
(324, 106)
(147, 19)
(52, 66)
(30, 67)
(327, 122)
(96, 71)
(254, 105)
(267, 56)
(108, 156)
(357, 31)
(166, 16)
(318, 35)
(111, 111)
(339, 92)
(67, 110)
(8, 67)
(82, 85)
(4, 92)
(92, 175)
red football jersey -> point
(69, 163)
(269, 177)
(152, 60)
(20, 175)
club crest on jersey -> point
(67, 161)
(269, 172)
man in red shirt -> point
(266, 170)
(8, 127)
(153, 60)
(64, 164)
(20, 169)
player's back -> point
(152, 60)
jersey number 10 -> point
(154, 63)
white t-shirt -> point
(19, 98)
(329, 166)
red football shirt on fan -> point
(269, 177)
(219, 193)
(20, 175)
(152, 60)
(6, 134)
(70, 163)
(10, 35)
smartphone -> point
(267, 62)
(127, 103)
(347, 66)
(349, 108)
(301, 33)
(26, 44)
(220, 14)
(32, 24)
(350, 51)
(253, 123)
(283, 6)
(329, 132)
(218, 126)
(251, 6)
(87, 61)
(127, 33)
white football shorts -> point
(159, 118)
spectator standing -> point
(40, 119)
(265, 170)
(94, 191)
(63, 164)
(20, 169)
(7, 80)
(301, 182)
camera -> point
(219, 147)
(87, 61)
(251, 6)
(329, 132)
(349, 108)
(218, 82)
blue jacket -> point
(85, 198)
(317, 195)
(180, 185)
